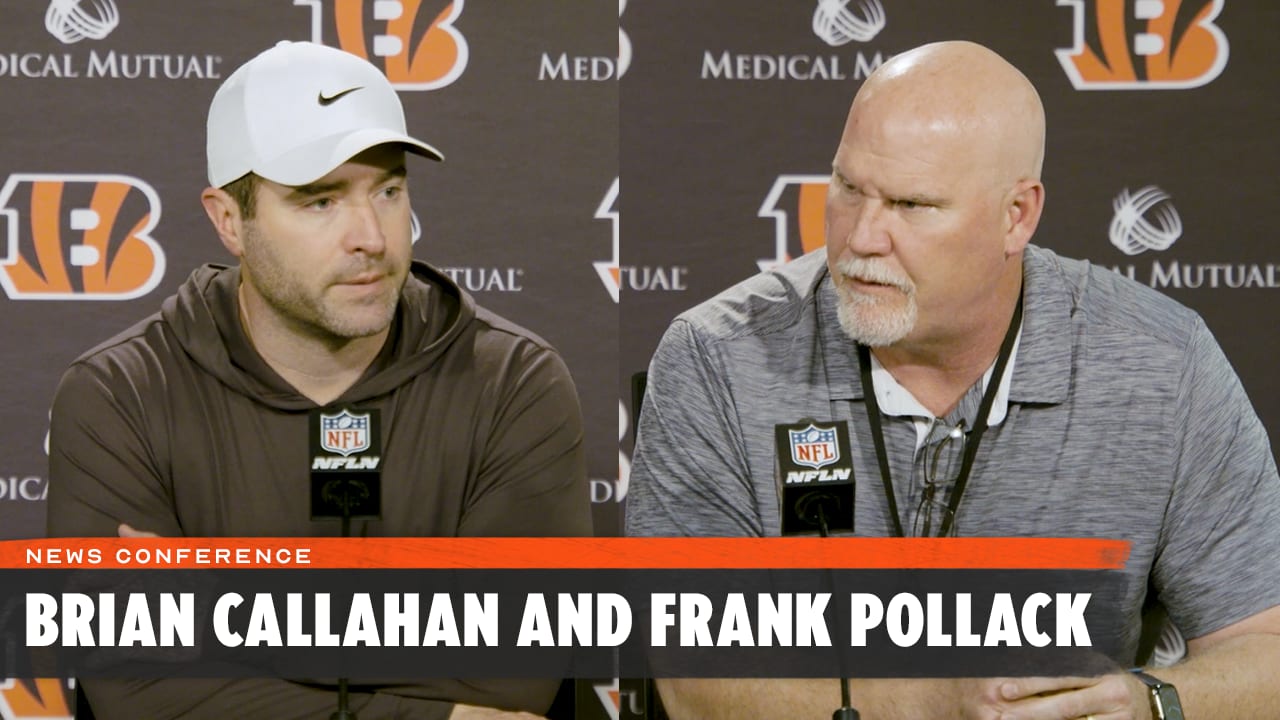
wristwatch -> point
(1164, 697)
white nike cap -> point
(297, 111)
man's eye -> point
(392, 191)
(320, 203)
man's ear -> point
(1022, 215)
(224, 213)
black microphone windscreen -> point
(815, 469)
(346, 459)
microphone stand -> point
(846, 711)
(344, 711)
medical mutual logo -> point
(41, 699)
(414, 42)
(71, 21)
(1144, 44)
(1146, 220)
(79, 237)
(79, 24)
(487, 279)
(475, 279)
(836, 23)
(797, 204)
(31, 488)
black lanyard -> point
(975, 435)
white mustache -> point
(874, 271)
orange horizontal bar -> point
(568, 553)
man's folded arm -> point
(797, 699)
(1231, 673)
(103, 469)
(532, 480)
(246, 699)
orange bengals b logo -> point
(412, 41)
(45, 699)
(798, 206)
(1144, 44)
(79, 237)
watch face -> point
(1170, 707)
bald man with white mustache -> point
(935, 191)
(934, 196)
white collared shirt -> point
(897, 401)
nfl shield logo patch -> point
(814, 446)
(344, 433)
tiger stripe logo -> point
(79, 237)
(414, 42)
(1144, 44)
(43, 698)
(798, 206)
(609, 270)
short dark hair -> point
(244, 191)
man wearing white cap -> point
(194, 422)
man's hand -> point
(127, 532)
(1118, 696)
(474, 712)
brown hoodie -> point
(176, 426)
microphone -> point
(346, 455)
(346, 479)
(815, 464)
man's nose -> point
(868, 232)
(364, 229)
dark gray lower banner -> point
(382, 625)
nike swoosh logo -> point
(334, 98)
